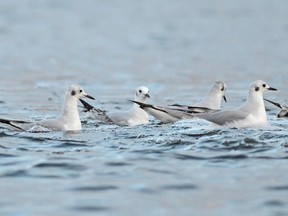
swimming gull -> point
(132, 117)
(176, 112)
(68, 120)
(251, 114)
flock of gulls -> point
(250, 114)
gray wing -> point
(224, 117)
(119, 118)
(53, 124)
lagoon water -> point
(177, 49)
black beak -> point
(147, 95)
(224, 97)
(272, 89)
(90, 97)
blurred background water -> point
(177, 49)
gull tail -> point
(13, 123)
(97, 114)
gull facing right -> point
(251, 114)
(68, 120)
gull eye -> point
(222, 89)
(140, 91)
(81, 91)
(264, 85)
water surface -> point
(177, 49)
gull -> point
(212, 99)
(68, 120)
(250, 114)
(132, 117)
(284, 108)
(176, 112)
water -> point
(177, 49)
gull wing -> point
(96, 113)
(223, 117)
(192, 109)
(274, 103)
(169, 114)
(14, 123)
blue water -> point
(177, 49)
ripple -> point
(91, 208)
(117, 164)
(227, 146)
(23, 149)
(274, 203)
(3, 134)
(192, 157)
(16, 173)
(180, 187)
(3, 155)
(270, 135)
(232, 157)
(61, 165)
(148, 151)
(154, 170)
(70, 144)
(201, 133)
(96, 188)
(278, 188)
(249, 140)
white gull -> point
(68, 120)
(170, 114)
(132, 117)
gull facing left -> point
(68, 120)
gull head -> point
(142, 93)
(259, 87)
(75, 91)
(220, 87)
